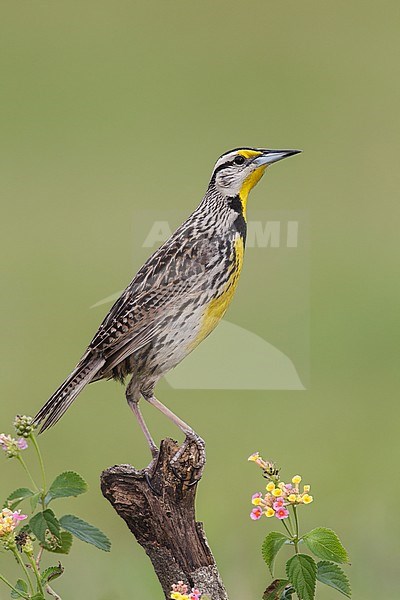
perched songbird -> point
(176, 299)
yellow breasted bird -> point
(176, 299)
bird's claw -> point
(148, 472)
(196, 468)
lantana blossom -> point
(9, 520)
(280, 495)
(180, 592)
(11, 446)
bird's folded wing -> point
(153, 297)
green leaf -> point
(43, 522)
(301, 570)
(271, 546)
(38, 597)
(62, 545)
(332, 575)
(85, 532)
(51, 573)
(16, 497)
(34, 499)
(22, 587)
(65, 485)
(279, 589)
(325, 544)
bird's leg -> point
(134, 405)
(133, 396)
(191, 435)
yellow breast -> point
(218, 306)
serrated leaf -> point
(63, 546)
(65, 485)
(22, 587)
(301, 570)
(51, 573)
(43, 522)
(278, 590)
(85, 532)
(16, 497)
(332, 575)
(325, 544)
(271, 546)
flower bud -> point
(24, 425)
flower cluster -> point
(24, 425)
(9, 521)
(280, 495)
(180, 592)
(11, 446)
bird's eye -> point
(239, 160)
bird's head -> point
(236, 172)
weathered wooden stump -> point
(161, 516)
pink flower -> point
(279, 503)
(11, 446)
(256, 513)
(5, 441)
(18, 517)
(180, 587)
(195, 595)
(282, 513)
(257, 495)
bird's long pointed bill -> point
(272, 156)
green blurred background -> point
(110, 107)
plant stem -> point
(50, 591)
(287, 529)
(21, 460)
(22, 564)
(21, 594)
(296, 538)
(296, 520)
(36, 571)
(39, 454)
(39, 556)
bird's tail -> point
(64, 396)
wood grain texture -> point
(163, 519)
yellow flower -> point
(281, 485)
(277, 492)
(292, 498)
(307, 499)
(256, 501)
(306, 488)
(296, 479)
(254, 457)
(269, 512)
(270, 487)
(7, 522)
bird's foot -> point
(196, 469)
(148, 472)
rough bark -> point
(161, 516)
